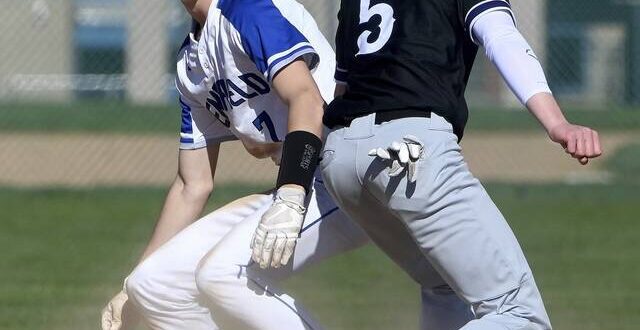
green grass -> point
(124, 118)
(64, 253)
(89, 117)
(520, 119)
(625, 163)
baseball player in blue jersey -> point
(257, 71)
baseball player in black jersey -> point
(392, 160)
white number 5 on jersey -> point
(385, 28)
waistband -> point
(431, 121)
(385, 116)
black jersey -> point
(399, 54)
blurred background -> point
(89, 127)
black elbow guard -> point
(300, 153)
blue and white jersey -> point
(224, 78)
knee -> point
(215, 278)
(504, 322)
(520, 309)
(510, 320)
(144, 287)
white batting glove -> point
(112, 313)
(275, 238)
(404, 154)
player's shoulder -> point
(259, 12)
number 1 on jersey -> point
(384, 29)
(263, 120)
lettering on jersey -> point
(226, 95)
(263, 120)
(256, 82)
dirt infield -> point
(81, 160)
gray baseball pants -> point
(445, 219)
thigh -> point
(450, 216)
(326, 232)
(176, 260)
(392, 236)
(344, 181)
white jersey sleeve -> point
(198, 128)
(507, 49)
(266, 34)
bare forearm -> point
(306, 113)
(544, 107)
(181, 208)
(582, 143)
(187, 196)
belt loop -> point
(360, 128)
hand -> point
(403, 155)
(119, 314)
(275, 238)
(112, 313)
(582, 143)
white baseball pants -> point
(204, 278)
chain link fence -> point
(87, 96)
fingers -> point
(267, 250)
(587, 135)
(112, 314)
(597, 149)
(288, 250)
(395, 146)
(382, 153)
(583, 143)
(414, 145)
(278, 250)
(110, 318)
(589, 143)
(281, 251)
(594, 149)
(580, 145)
(275, 250)
(396, 169)
(106, 317)
(117, 309)
(256, 244)
(411, 139)
(403, 154)
(116, 324)
(572, 144)
(412, 172)
(415, 151)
